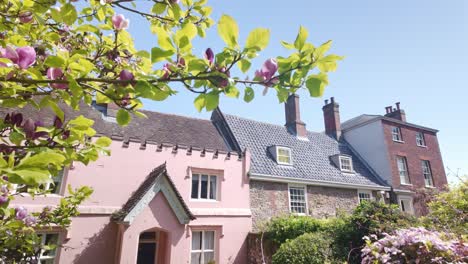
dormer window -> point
(283, 155)
(346, 164)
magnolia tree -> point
(56, 53)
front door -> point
(148, 248)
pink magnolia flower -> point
(209, 55)
(119, 22)
(56, 74)
(24, 57)
(268, 70)
(8, 53)
(21, 213)
(167, 71)
(126, 75)
(3, 199)
(25, 17)
(30, 220)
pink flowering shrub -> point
(414, 245)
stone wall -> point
(269, 199)
(328, 201)
(258, 252)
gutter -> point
(273, 178)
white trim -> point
(277, 155)
(202, 250)
(241, 212)
(274, 178)
(208, 189)
(350, 159)
(366, 192)
(298, 186)
(423, 140)
(407, 198)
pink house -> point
(169, 193)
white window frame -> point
(203, 250)
(427, 173)
(304, 188)
(278, 148)
(409, 199)
(341, 158)
(368, 192)
(216, 194)
(43, 240)
(47, 186)
(406, 180)
(396, 135)
(420, 140)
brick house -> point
(298, 171)
(405, 155)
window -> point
(204, 186)
(346, 163)
(297, 199)
(396, 134)
(283, 155)
(202, 247)
(364, 196)
(406, 205)
(403, 170)
(147, 246)
(48, 256)
(426, 168)
(420, 139)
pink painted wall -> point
(115, 178)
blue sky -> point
(413, 52)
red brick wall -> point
(414, 154)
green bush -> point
(280, 229)
(368, 218)
(311, 248)
(448, 211)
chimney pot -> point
(331, 118)
(396, 113)
(397, 105)
(326, 101)
(293, 117)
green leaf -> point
(328, 63)
(228, 30)
(301, 38)
(316, 84)
(32, 177)
(81, 122)
(68, 13)
(159, 8)
(103, 142)
(244, 65)
(287, 45)
(54, 61)
(249, 94)
(212, 101)
(158, 54)
(232, 92)
(258, 39)
(320, 51)
(200, 102)
(41, 160)
(164, 41)
(123, 117)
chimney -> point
(396, 113)
(293, 117)
(331, 117)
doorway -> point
(148, 247)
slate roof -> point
(157, 128)
(365, 119)
(145, 186)
(311, 159)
